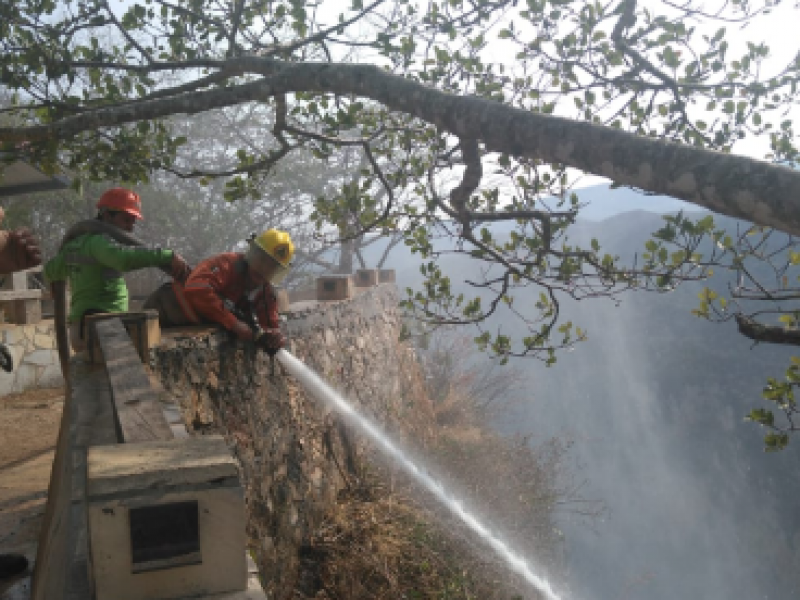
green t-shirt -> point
(94, 265)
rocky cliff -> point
(295, 456)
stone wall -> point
(295, 457)
(35, 357)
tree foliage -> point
(470, 120)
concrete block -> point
(44, 341)
(12, 335)
(387, 276)
(51, 376)
(25, 377)
(166, 520)
(41, 358)
(334, 287)
(366, 277)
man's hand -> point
(271, 340)
(242, 331)
(19, 250)
(180, 268)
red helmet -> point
(122, 200)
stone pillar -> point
(334, 287)
(366, 278)
(386, 276)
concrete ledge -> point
(334, 287)
(129, 468)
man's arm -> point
(123, 258)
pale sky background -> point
(778, 30)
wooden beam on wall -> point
(138, 412)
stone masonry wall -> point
(35, 357)
(295, 456)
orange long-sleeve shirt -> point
(224, 276)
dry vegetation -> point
(29, 424)
(387, 540)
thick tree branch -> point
(736, 186)
(773, 334)
(460, 195)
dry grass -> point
(29, 424)
(386, 540)
(41, 396)
(377, 544)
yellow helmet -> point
(278, 246)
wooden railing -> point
(133, 512)
(19, 303)
(137, 413)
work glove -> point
(242, 331)
(19, 250)
(270, 340)
(180, 268)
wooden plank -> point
(142, 326)
(20, 295)
(61, 569)
(138, 413)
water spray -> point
(324, 393)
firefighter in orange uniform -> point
(234, 290)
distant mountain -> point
(655, 403)
(604, 202)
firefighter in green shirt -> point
(94, 263)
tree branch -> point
(321, 35)
(146, 55)
(235, 21)
(736, 186)
(773, 334)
